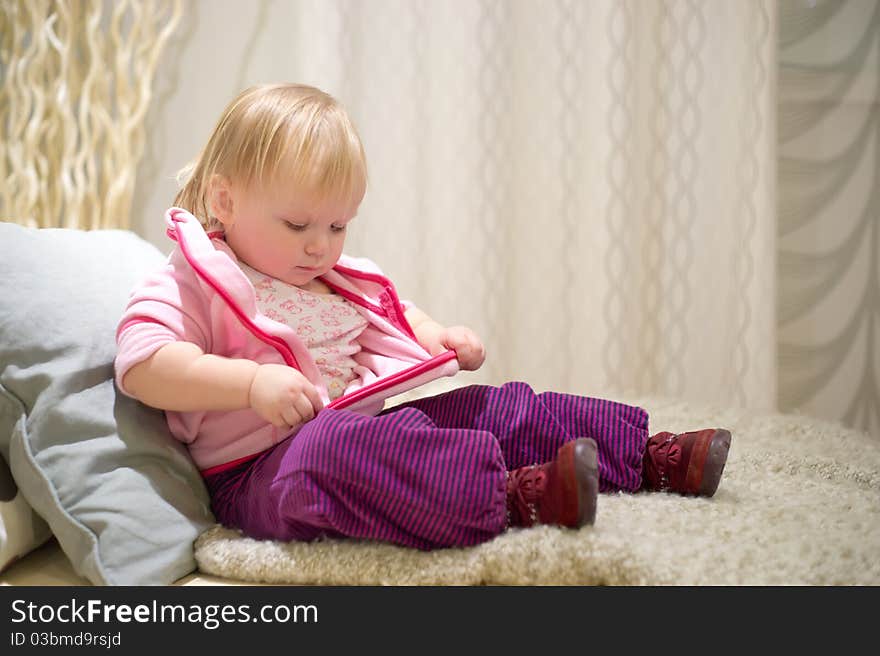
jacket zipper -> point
(390, 381)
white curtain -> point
(590, 185)
(829, 210)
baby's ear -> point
(220, 199)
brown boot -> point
(688, 463)
(562, 491)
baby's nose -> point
(316, 246)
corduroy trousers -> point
(427, 474)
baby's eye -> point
(337, 228)
(298, 227)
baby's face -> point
(287, 235)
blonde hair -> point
(290, 133)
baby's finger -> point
(469, 346)
(303, 406)
(291, 416)
(314, 398)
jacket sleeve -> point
(167, 306)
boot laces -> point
(524, 487)
(665, 458)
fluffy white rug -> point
(799, 504)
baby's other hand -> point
(283, 396)
(467, 345)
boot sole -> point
(714, 459)
(586, 465)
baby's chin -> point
(301, 278)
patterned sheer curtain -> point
(590, 185)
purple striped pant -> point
(426, 474)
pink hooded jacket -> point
(202, 296)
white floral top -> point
(326, 323)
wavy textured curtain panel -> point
(75, 84)
(829, 210)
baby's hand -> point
(283, 396)
(467, 346)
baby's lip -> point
(306, 268)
